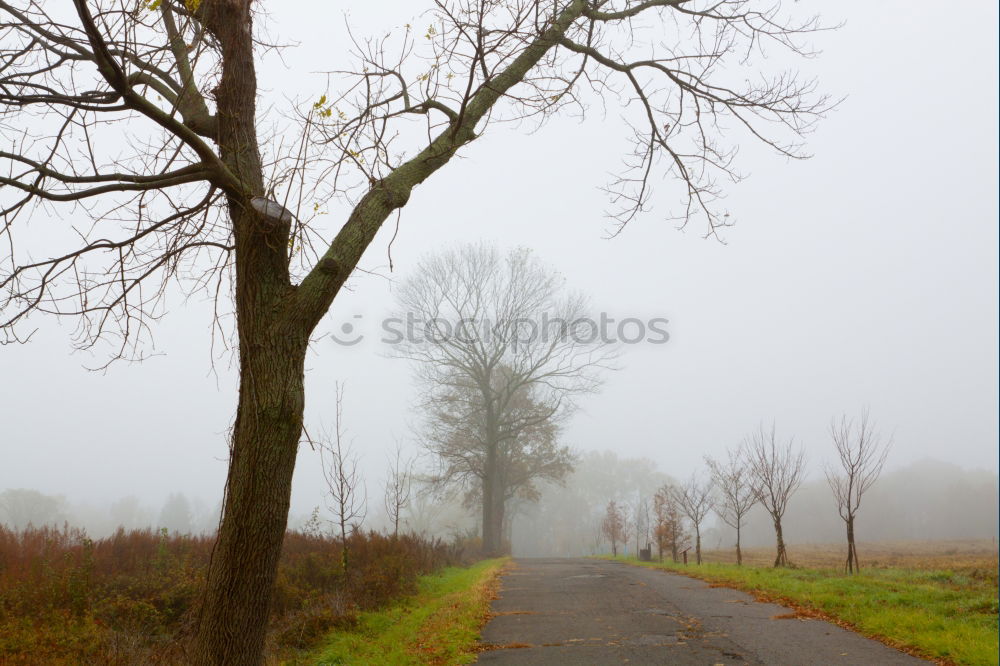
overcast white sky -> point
(865, 276)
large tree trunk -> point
(697, 544)
(272, 347)
(494, 546)
(781, 559)
(493, 490)
(489, 494)
(233, 623)
(506, 527)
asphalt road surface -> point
(581, 611)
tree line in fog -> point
(928, 499)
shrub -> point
(132, 597)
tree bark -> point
(489, 495)
(232, 625)
(505, 526)
(782, 557)
(852, 561)
(493, 490)
(739, 553)
(697, 544)
(500, 522)
(233, 617)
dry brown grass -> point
(131, 598)
(965, 556)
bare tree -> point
(642, 523)
(176, 516)
(500, 358)
(21, 508)
(627, 525)
(736, 494)
(862, 453)
(144, 119)
(346, 496)
(661, 501)
(777, 473)
(397, 487)
(695, 499)
(598, 538)
(528, 452)
(614, 527)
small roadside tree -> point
(613, 527)
(777, 473)
(694, 498)
(398, 484)
(669, 523)
(861, 453)
(642, 523)
(736, 495)
(346, 496)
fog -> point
(927, 500)
(865, 276)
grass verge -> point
(948, 616)
(439, 625)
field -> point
(934, 599)
(969, 555)
(132, 598)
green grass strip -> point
(439, 625)
(945, 615)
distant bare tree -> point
(21, 507)
(862, 453)
(176, 515)
(397, 487)
(628, 524)
(660, 501)
(642, 523)
(695, 500)
(777, 473)
(736, 494)
(598, 538)
(128, 513)
(424, 512)
(614, 527)
(500, 357)
(346, 494)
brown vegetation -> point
(133, 597)
(968, 555)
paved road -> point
(592, 612)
